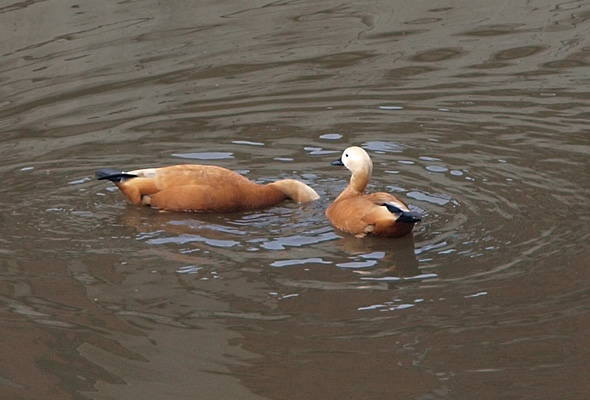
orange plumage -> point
(203, 188)
(378, 214)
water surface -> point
(476, 113)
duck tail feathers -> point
(113, 175)
(403, 216)
(410, 216)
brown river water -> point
(474, 112)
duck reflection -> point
(216, 226)
(185, 238)
(380, 260)
(374, 260)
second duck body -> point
(202, 188)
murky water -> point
(474, 112)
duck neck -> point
(260, 196)
(295, 190)
(357, 185)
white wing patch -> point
(399, 205)
(145, 173)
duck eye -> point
(346, 155)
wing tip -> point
(111, 174)
(403, 216)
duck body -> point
(203, 188)
(376, 214)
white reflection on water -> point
(219, 155)
(318, 151)
(436, 168)
(381, 147)
(440, 198)
(357, 264)
(186, 238)
(189, 269)
(247, 143)
(297, 241)
(331, 136)
(287, 263)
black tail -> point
(113, 175)
(404, 216)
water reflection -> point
(212, 233)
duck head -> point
(356, 160)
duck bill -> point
(338, 162)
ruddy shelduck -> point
(203, 188)
(377, 214)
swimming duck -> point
(377, 214)
(203, 188)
